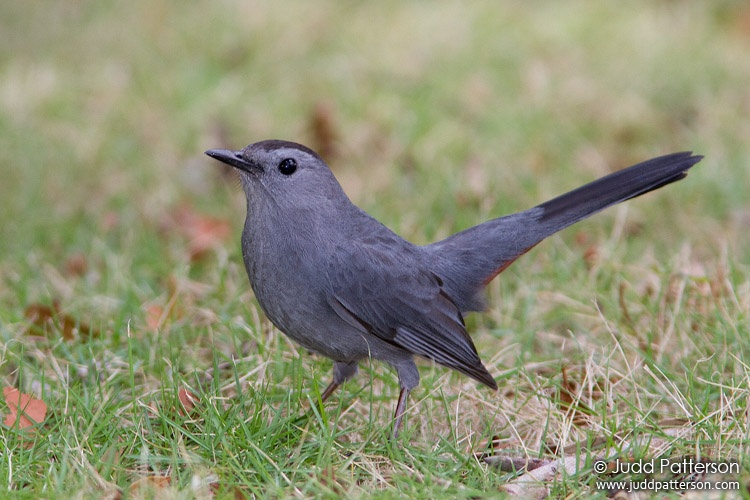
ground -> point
(130, 338)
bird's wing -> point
(387, 294)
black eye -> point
(288, 166)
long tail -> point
(468, 260)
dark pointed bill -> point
(233, 158)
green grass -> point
(445, 114)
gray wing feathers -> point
(404, 305)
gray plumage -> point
(343, 285)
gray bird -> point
(343, 285)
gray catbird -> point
(342, 284)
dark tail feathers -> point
(615, 188)
(468, 260)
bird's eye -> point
(288, 166)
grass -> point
(629, 325)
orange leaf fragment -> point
(25, 411)
(154, 315)
(76, 264)
(188, 399)
(147, 486)
(204, 233)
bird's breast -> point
(285, 273)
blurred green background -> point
(109, 107)
(434, 115)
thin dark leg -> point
(342, 371)
(329, 390)
(400, 410)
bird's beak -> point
(233, 158)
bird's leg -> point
(342, 371)
(326, 394)
(408, 378)
(400, 410)
(329, 390)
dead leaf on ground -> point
(327, 478)
(47, 320)
(25, 410)
(592, 256)
(568, 400)
(76, 265)
(149, 486)
(188, 401)
(154, 317)
(238, 494)
(203, 232)
(182, 295)
(323, 128)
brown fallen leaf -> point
(25, 410)
(49, 320)
(154, 315)
(327, 478)
(41, 317)
(203, 233)
(159, 316)
(149, 486)
(238, 494)
(569, 401)
(323, 129)
(592, 256)
(76, 265)
(187, 399)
